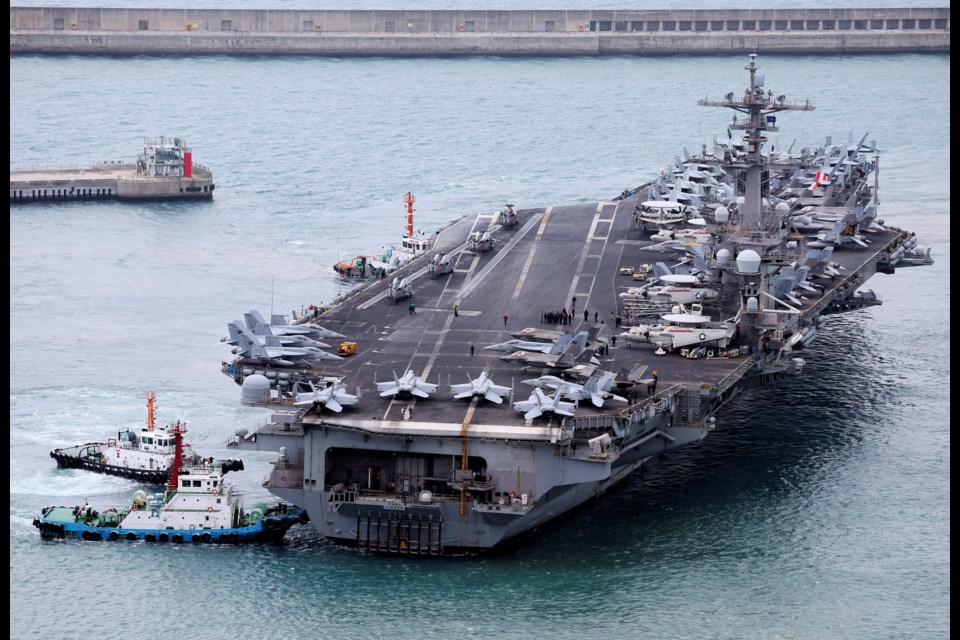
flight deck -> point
(537, 266)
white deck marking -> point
(533, 252)
(482, 274)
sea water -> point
(817, 508)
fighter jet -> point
(564, 361)
(271, 352)
(410, 384)
(540, 403)
(278, 325)
(557, 346)
(481, 387)
(536, 334)
(333, 397)
(261, 331)
(596, 388)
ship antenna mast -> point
(409, 199)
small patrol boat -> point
(145, 456)
(197, 506)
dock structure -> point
(146, 31)
(164, 171)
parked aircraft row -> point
(551, 394)
(277, 342)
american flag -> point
(820, 179)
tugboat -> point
(146, 457)
(412, 245)
(197, 506)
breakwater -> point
(136, 31)
(107, 181)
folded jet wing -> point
(409, 384)
(333, 397)
(539, 404)
(481, 387)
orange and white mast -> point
(409, 199)
(151, 409)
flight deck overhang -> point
(421, 430)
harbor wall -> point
(135, 31)
(107, 182)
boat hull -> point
(147, 476)
(58, 523)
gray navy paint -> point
(433, 475)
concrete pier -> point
(107, 182)
(143, 31)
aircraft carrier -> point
(409, 469)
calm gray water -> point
(816, 509)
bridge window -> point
(669, 25)
(780, 25)
(859, 24)
(749, 25)
(685, 25)
(893, 24)
(653, 25)
(58, 23)
(636, 25)
(876, 24)
(796, 25)
(813, 25)
(733, 25)
(716, 25)
(550, 25)
(701, 25)
(909, 24)
(765, 25)
(940, 23)
(144, 25)
(843, 24)
(924, 24)
(469, 26)
(226, 25)
(308, 25)
(829, 25)
(620, 25)
(605, 25)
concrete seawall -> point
(107, 182)
(456, 33)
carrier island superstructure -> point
(756, 248)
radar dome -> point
(721, 215)
(255, 390)
(748, 261)
(752, 304)
(723, 256)
(740, 200)
(782, 207)
(792, 244)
